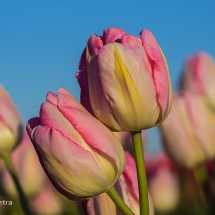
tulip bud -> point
(193, 124)
(125, 80)
(10, 124)
(199, 76)
(80, 155)
(127, 187)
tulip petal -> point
(160, 71)
(202, 120)
(83, 82)
(4, 95)
(52, 98)
(185, 151)
(69, 170)
(52, 118)
(199, 75)
(112, 34)
(90, 129)
(94, 44)
(9, 114)
(101, 205)
(131, 176)
(123, 88)
(133, 42)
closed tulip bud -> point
(80, 155)
(193, 124)
(199, 76)
(125, 80)
(11, 131)
(127, 187)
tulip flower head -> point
(80, 155)
(11, 131)
(199, 75)
(193, 124)
(125, 80)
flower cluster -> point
(93, 151)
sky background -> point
(41, 41)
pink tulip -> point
(125, 80)
(163, 183)
(199, 76)
(10, 124)
(80, 155)
(47, 202)
(188, 131)
(127, 187)
(29, 171)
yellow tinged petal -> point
(81, 184)
(124, 77)
(7, 140)
(130, 102)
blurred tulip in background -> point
(199, 76)
(47, 202)
(163, 182)
(30, 173)
(11, 130)
(188, 132)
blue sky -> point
(41, 41)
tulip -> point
(125, 80)
(33, 180)
(126, 186)
(164, 189)
(188, 131)
(163, 181)
(199, 75)
(47, 202)
(10, 124)
(81, 156)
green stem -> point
(204, 182)
(141, 173)
(119, 202)
(12, 172)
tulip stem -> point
(12, 172)
(206, 187)
(119, 202)
(141, 173)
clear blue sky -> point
(41, 41)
